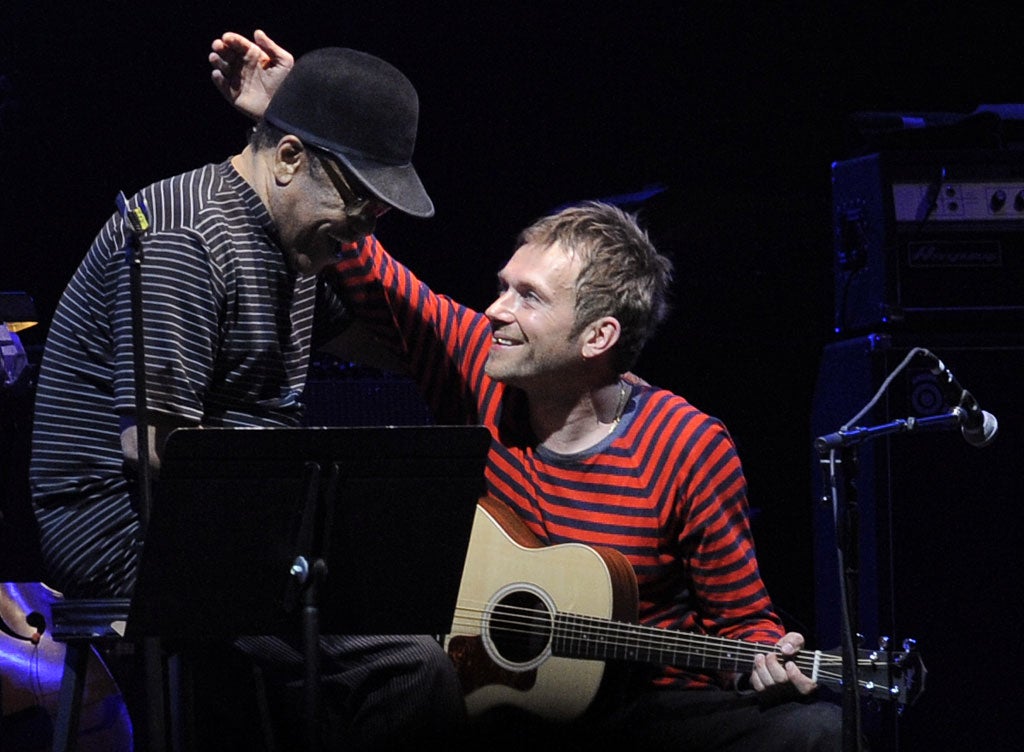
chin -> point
(491, 370)
(498, 373)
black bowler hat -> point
(363, 111)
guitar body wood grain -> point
(577, 578)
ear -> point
(600, 336)
(289, 159)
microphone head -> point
(982, 433)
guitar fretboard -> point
(575, 636)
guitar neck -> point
(576, 636)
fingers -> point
(219, 63)
(803, 684)
(232, 41)
(231, 56)
(791, 643)
(226, 54)
(223, 73)
(275, 52)
(233, 50)
(767, 672)
(772, 671)
(233, 53)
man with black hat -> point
(229, 287)
(582, 453)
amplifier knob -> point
(998, 200)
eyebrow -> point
(523, 286)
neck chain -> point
(623, 399)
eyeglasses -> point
(355, 205)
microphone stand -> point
(838, 479)
(838, 474)
(137, 222)
(852, 436)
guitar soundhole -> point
(520, 627)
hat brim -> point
(396, 185)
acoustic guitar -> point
(535, 626)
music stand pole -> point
(310, 575)
(309, 570)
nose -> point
(502, 308)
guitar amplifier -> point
(929, 241)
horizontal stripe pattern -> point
(226, 327)
(666, 489)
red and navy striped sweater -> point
(666, 488)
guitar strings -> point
(643, 643)
(612, 639)
(624, 640)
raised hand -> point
(248, 72)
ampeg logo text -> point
(955, 254)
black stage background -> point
(735, 112)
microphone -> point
(978, 426)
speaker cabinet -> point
(940, 544)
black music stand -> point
(298, 532)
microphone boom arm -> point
(852, 436)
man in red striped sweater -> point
(585, 453)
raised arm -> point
(248, 72)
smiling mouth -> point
(503, 341)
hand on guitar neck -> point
(534, 626)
